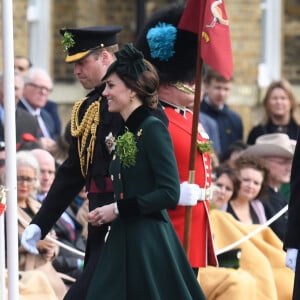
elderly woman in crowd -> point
(27, 183)
(276, 151)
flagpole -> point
(2, 258)
(10, 151)
(193, 148)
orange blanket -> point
(262, 257)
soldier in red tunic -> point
(174, 52)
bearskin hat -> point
(171, 50)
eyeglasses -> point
(40, 87)
(2, 162)
(25, 179)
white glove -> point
(30, 237)
(291, 258)
(189, 194)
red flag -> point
(208, 19)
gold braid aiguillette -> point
(85, 130)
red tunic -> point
(201, 247)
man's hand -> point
(291, 258)
(47, 248)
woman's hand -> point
(102, 215)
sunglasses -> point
(2, 162)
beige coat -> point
(28, 261)
(34, 285)
(81, 217)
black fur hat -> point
(179, 64)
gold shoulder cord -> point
(86, 128)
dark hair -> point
(111, 49)
(232, 174)
(146, 86)
(253, 162)
(236, 146)
(211, 74)
(26, 58)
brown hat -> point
(273, 144)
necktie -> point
(68, 221)
(43, 129)
(2, 114)
(71, 230)
(41, 197)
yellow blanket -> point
(34, 285)
(262, 257)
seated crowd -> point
(246, 193)
(36, 168)
(251, 185)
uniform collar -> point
(180, 109)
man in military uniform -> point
(175, 59)
(91, 49)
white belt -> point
(205, 194)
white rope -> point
(254, 232)
(220, 251)
(48, 237)
(69, 248)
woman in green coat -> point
(142, 257)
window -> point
(270, 64)
(38, 16)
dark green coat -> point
(143, 258)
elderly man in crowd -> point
(276, 151)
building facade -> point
(265, 37)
